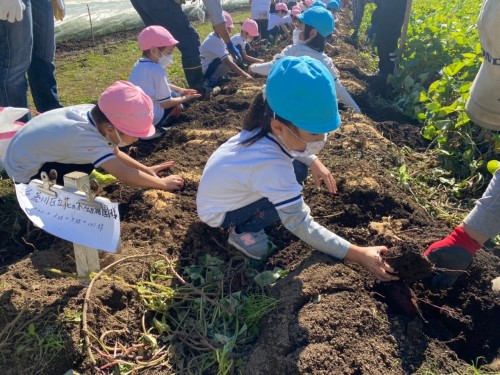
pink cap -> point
(308, 2)
(251, 27)
(128, 109)
(229, 20)
(281, 6)
(155, 36)
(296, 10)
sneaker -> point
(253, 244)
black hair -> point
(98, 116)
(319, 41)
(259, 115)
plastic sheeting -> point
(113, 15)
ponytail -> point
(259, 116)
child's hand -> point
(189, 92)
(248, 76)
(192, 96)
(369, 258)
(321, 173)
(153, 170)
(173, 182)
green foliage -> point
(442, 57)
(201, 319)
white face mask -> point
(312, 148)
(121, 142)
(166, 60)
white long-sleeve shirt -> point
(301, 49)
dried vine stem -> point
(85, 327)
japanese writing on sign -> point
(69, 217)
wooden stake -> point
(87, 258)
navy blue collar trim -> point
(279, 145)
(91, 120)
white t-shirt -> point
(212, 47)
(288, 19)
(152, 79)
(237, 175)
(260, 9)
(238, 40)
(65, 135)
(274, 20)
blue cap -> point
(301, 90)
(318, 18)
(318, 3)
(333, 5)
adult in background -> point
(169, 14)
(456, 252)
(358, 10)
(387, 21)
(27, 46)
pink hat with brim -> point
(128, 109)
(155, 36)
(229, 20)
(282, 7)
(296, 10)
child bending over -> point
(317, 26)
(249, 30)
(215, 59)
(157, 45)
(254, 179)
(83, 137)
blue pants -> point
(166, 112)
(169, 14)
(28, 48)
(261, 213)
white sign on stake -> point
(66, 215)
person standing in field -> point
(28, 46)
(169, 14)
(387, 21)
(456, 252)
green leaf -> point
(267, 278)
(208, 260)
(493, 166)
(423, 97)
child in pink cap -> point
(83, 137)
(277, 25)
(157, 45)
(216, 61)
(249, 30)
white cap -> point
(483, 106)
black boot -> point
(194, 78)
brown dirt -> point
(333, 317)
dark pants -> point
(262, 28)
(169, 14)
(387, 21)
(166, 112)
(261, 213)
(63, 169)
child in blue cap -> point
(318, 26)
(254, 179)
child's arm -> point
(235, 68)
(172, 102)
(251, 59)
(134, 173)
(344, 96)
(297, 219)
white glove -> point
(11, 10)
(59, 9)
